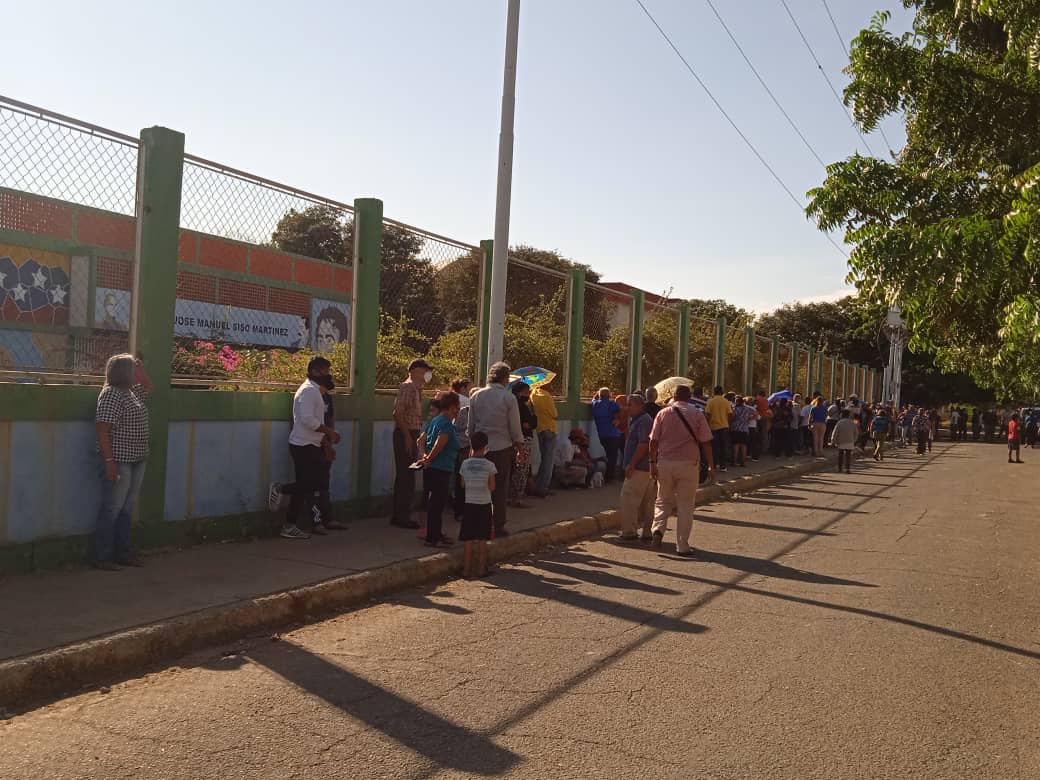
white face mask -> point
(428, 377)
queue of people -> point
(475, 452)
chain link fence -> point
(535, 335)
(802, 383)
(607, 329)
(733, 374)
(828, 376)
(701, 355)
(783, 368)
(660, 344)
(266, 308)
(67, 160)
(66, 180)
(763, 365)
(429, 302)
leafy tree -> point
(320, 232)
(950, 228)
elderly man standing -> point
(493, 410)
(545, 409)
(680, 437)
(407, 424)
(639, 491)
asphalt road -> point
(881, 624)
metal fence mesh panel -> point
(246, 208)
(607, 330)
(702, 352)
(802, 384)
(660, 344)
(535, 331)
(428, 306)
(783, 372)
(66, 161)
(734, 372)
(763, 365)
(828, 375)
(839, 381)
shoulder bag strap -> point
(686, 424)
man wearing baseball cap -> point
(407, 423)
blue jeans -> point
(112, 534)
(547, 448)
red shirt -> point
(1012, 429)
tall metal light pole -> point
(500, 254)
(896, 331)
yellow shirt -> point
(545, 409)
(719, 411)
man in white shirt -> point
(308, 433)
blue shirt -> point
(818, 414)
(879, 424)
(434, 428)
(638, 433)
(604, 412)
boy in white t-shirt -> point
(477, 477)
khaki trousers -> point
(676, 493)
(638, 495)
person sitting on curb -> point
(567, 470)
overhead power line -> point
(764, 85)
(845, 47)
(747, 141)
(819, 65)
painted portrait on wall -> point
(330, 324)
(111, 309)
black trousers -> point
(922, 442)
(311, 485)
(459, 494)
(404, 479)
(439, 484)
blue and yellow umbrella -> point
(533, 376)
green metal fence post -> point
(575, 336)
(160, 168)
(635, 347)
(487, 249)
(368, 248)
(720, 352)
(834, 379)
(749, 360)
(821, 356)
(774, 366)
(795, 350)
(682, 358)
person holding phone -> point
(121, 425)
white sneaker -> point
(292, 532)
(274, 496)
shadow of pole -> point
(446, 744)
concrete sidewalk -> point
(51, 609)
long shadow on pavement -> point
(448, 744)
(703, 517)
(732, 586)
(530, 584)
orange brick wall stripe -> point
(196, 287)
(104, 229)
(288, 302)
(273, 265)
(32, 215)
(222, 254)
(313, 274)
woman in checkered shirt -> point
(122, 433)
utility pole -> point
(896, 331)
(500, 253)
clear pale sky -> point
(621, 161)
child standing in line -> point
(477, 475)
